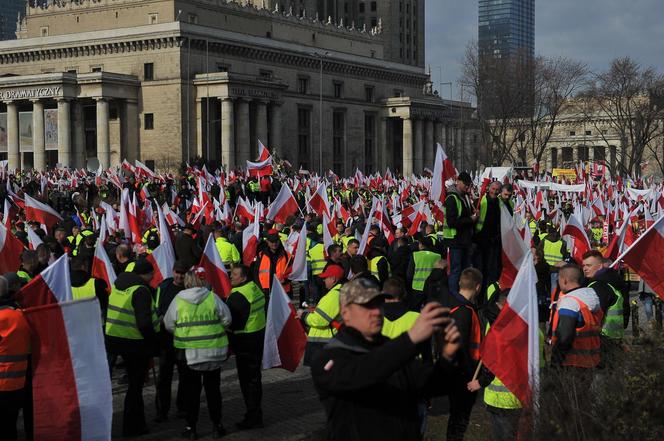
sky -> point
(592, 31)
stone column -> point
(407, 147)
(64, 133)
(132, 146)
(13, 139)
(227, 134)
(78, 144)
(429, 146)
(438, 136)
(418, 149)
(275, 126)
(38, 141)
(381, 145)
(261, 122)
(242, 138)
(199, 128)
(103, 139)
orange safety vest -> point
(475, 333)
(14, 349)
(585, 347)
(264, 272)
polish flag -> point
(250, 237)
(9, 214)
(646, 258)
(33, 240)
(285, 338)
(364, 240)
(263, 152)
(40, 212)
(319, 202)
(244, 210)
(298, 270)
(511, 348)
(127, 166)
(215, 271)
(261, 168)
(385, 224)
(171, 217)
(514, 248)
(283, 206)
(575, 229)
(143, 170)
(443, 170)
(132, 216)
(327, 235)
(102, 267)
(52, 285)
(10, 251)
(163, 257)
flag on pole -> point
(10, 251)
(102, 267)
(40, 212)
(215, 271)
(250, 237)
(574, 228)
(33, 239)
(299, 267)
(283, 206)
(163, 257)
(513, 248)
(52, 285)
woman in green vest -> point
(198, 319)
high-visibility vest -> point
(198, 326)
(148, 232)
(227, 251)
(484, 205)
(254, 186)
(317, 259)
(322, 320)
(449, 232)
(86, 290)
(613, 326)
(130, 267)
(585, 347)
(14, 349)
(492, 290)
(23, 275)
(373, 266)
(597, 233)
(264, 271)
(256, 299)
(393, 329)
(424, 264)
(344, 242)
(533, 227)
(475, 333)
(121, 318)
(82, 235)
(553, 251)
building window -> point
(589, 133)
(362, 8)
(369, 142)
(398, 93)
(193, 18)
(149, 121)
(303, 85)
(338, 141)
(72, 70)
(338, 89)
(572, 133)
(43, 31)
(265, 75)
(373, 6)
(148, 71)
(599, 154)
(568, 156)
(583, 153)
(222, 67)
(304, 137)
(369, 94)
(554, 158)
(153, 18)
(95, 69)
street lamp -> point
(320, 56)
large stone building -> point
(167, 80)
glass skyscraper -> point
(507, 28)
(9, 10)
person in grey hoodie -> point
(198, 319)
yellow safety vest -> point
(84, 291)
(320, 320)
(424, 264)
(393, 329)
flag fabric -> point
(319, 202)
(67, 344)
(514, 248)
(215, 271)
(511, 348)
(299, 267)
(285, 338)
(574, 228)
(52, 285)
(443, 170)
(263, 152)
(10, 251)
(163, 257)
(40, 212)
(102, 267)
(283, 206)
(646, 258)
(250, 237)
(261, 168)
(33, 239)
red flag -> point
(285, 338)
(283, 206)
(263, 152)
(102, 267)
(244, 210)
(163, 257)
(262, 168)
(52, 285)
(10, 251)
(511, 348)
(578, 233)
(514, 248)
(319, 202)
(250, 237)
(40, 212)
(215, 271)
(443, 170)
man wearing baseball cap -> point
(371, 386)
(324, 321)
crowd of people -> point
(395, 305)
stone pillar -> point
(38, 141)
(13, 152)
(227, 134)
(132, 146)
(64, 133)
(242, 135)
(438, 136)
(78, 144)
(103, 139)
(429, 146)
(407, 147)
(381, 145)
(261, 123)
(275, 126)
(418, 147)
(199, 128)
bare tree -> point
(629, 99)
(656, 147)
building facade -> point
(506, 28)
(9, 14)
(165, 81)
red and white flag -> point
(215, 271)
(263, 152)
(163, 257)
(52, 285)
(514, 248)
(283, 206)
(319, 202)
(574, 228)
(511, 349)
(40, 212)
(285, 338)
(33, 239)
(243, 209)
(10, 251)
(250, 237)
(67, 344)
(298, 270)
(443, 170)
(261, 168)
(143, 170)
(646, 258)
(102, 267)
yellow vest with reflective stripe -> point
(553, 251)
(613, 326)
(373, 266)
(198, 326)
(256, 299)
(393, 329)
(492, 290)
(320, 321)
(317, 259)
(424, 264)
(87, 290)
(484, 204)
(121, 318)
(227, 251)
(449, 232)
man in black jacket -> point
(371, 386)
(187, 248)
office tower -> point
(507, 28)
